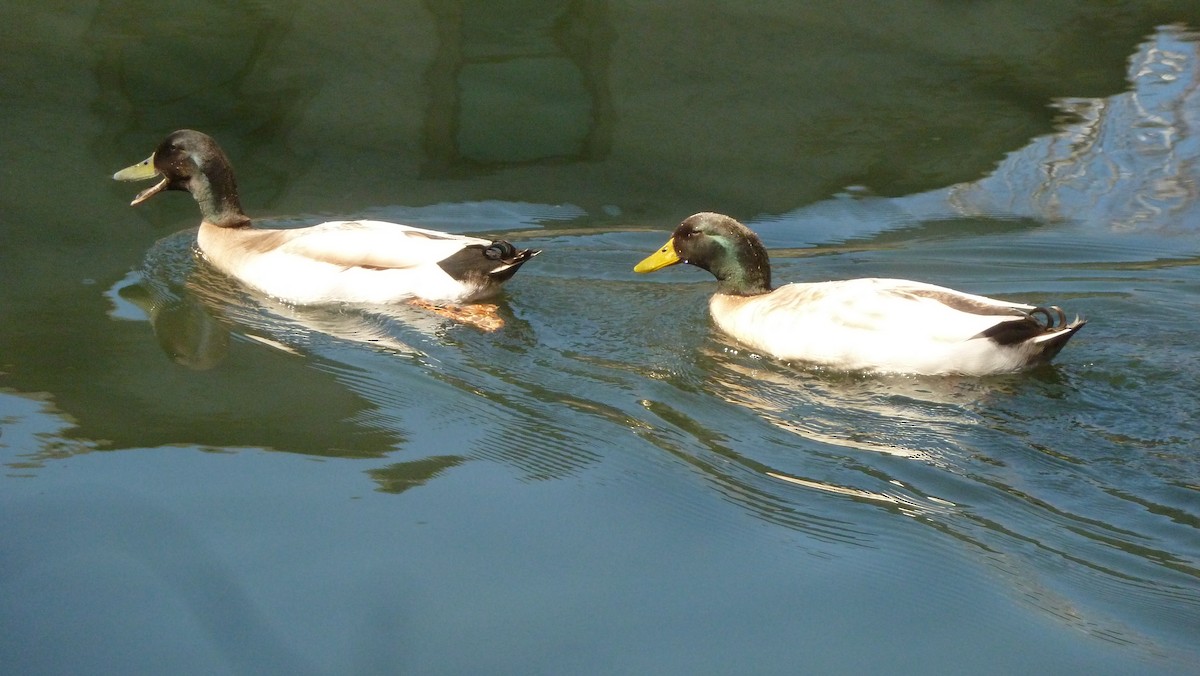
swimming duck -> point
(361, 261)
(884, 325)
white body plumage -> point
(889, 325)
(364, 261)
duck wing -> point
(888, 307)
(375, 244)
(955, 315)
(1013, 323)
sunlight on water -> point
(607, 469)
(981, 460)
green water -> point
(199, 480)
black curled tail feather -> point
(500, 250)
(510, 257)
(1056, 334)
(1046, 324)
(495, 262)
(1053, 315)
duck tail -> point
(1038, 334)
(1056, 333)
(508, 257)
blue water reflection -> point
(200, 479)
(1120, 164)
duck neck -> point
(746, 272)
(216, 193)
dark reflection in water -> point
(266, 395)
(516, 84)
(191, 63)
(401, 476)
(185, 330)
(648, 107)
(1129, 162)
(1076, 484)
(1124, 164)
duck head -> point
(191, 161)
(721, 245)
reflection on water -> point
(1000, 481)
(851, 410)
(1076, 484)
(401, 476)
(226, 89)
(518, 83)
(33, 434)
(1125, 163)
(184, 326)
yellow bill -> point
(659, 259)
(140, 172)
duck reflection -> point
(905, 416)
(185, 330)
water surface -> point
(199, 479)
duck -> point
(871, 324)
(349, 261)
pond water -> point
(198, 479)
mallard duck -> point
(361, 261)
(884, 325)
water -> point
(200, 480)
